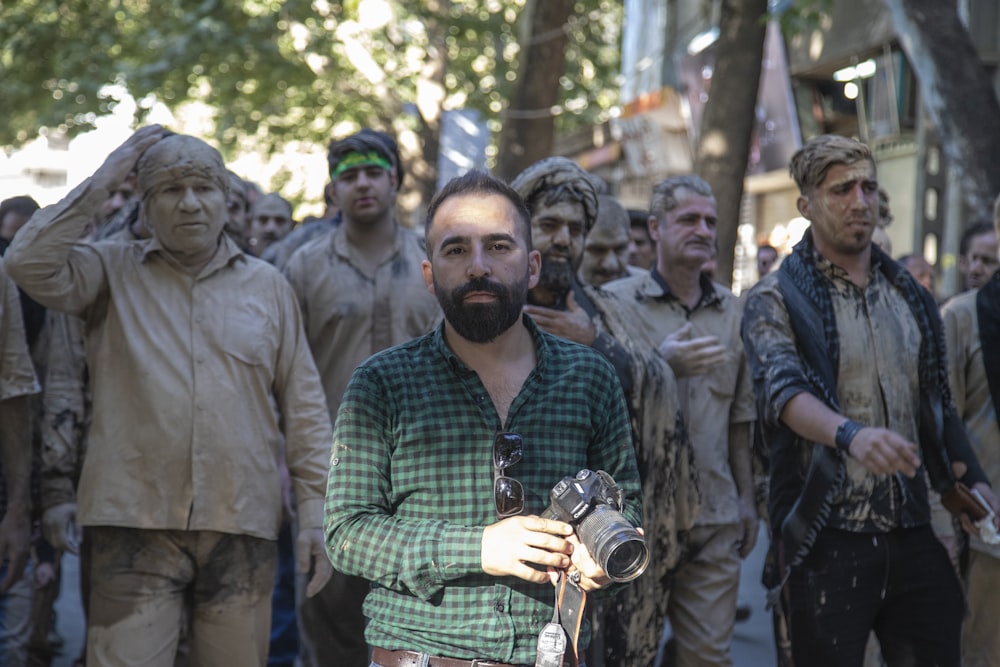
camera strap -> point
(563, 631)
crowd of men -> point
(342, 442)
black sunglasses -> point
(508, 494)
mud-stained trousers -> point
(981, 636)
(900, 584)
(703, 592)
(143, 580)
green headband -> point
(354, 160)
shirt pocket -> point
(247, 335)
(722, 379)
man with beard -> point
(563, 205)
(360, 288)
(698, 324)
(446, 448)
(848, 360)
(270, 221)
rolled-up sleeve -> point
(775, 366)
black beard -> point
(557, 277)
(482, 322)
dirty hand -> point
(60, 529)
(122, 160)
(572, 324)
(751, 526)
(691, 356)
(882, 451)
(310, 554)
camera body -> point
(591, 503)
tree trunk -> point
(529, 127)
(957, 93)
(728, 119)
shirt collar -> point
(541, 344)
(839, 275)
(656, 287)
(343, 248)
(227, 253)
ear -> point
(331, 191)
(428, 271)
(534, 268)
(393, 181)
(802, 204)
(653, 227)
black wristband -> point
(845, 435)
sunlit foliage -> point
(277, 71)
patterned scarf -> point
(807, 297)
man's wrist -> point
(845, 435)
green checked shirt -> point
(411, 488)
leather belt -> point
(413, 659)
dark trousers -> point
(900, 584)
(333, 624)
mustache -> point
(480, 284)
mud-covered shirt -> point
(199, 382)
(877, 378)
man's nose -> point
(561, 236)
(190, 200)
(478, 264)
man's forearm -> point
(811, 419)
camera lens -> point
(627, 560)
(612, 541)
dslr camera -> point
(591, 503)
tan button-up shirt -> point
(971, 389)
(709, 402)
(350, 314)
(196, 379)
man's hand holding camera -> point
(583, 516)
(509, 546)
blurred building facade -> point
(846, 75)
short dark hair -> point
(977, 228)
(363, 142)
(637, 218)
(810, 163)
(22, 205)
(478, 183)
